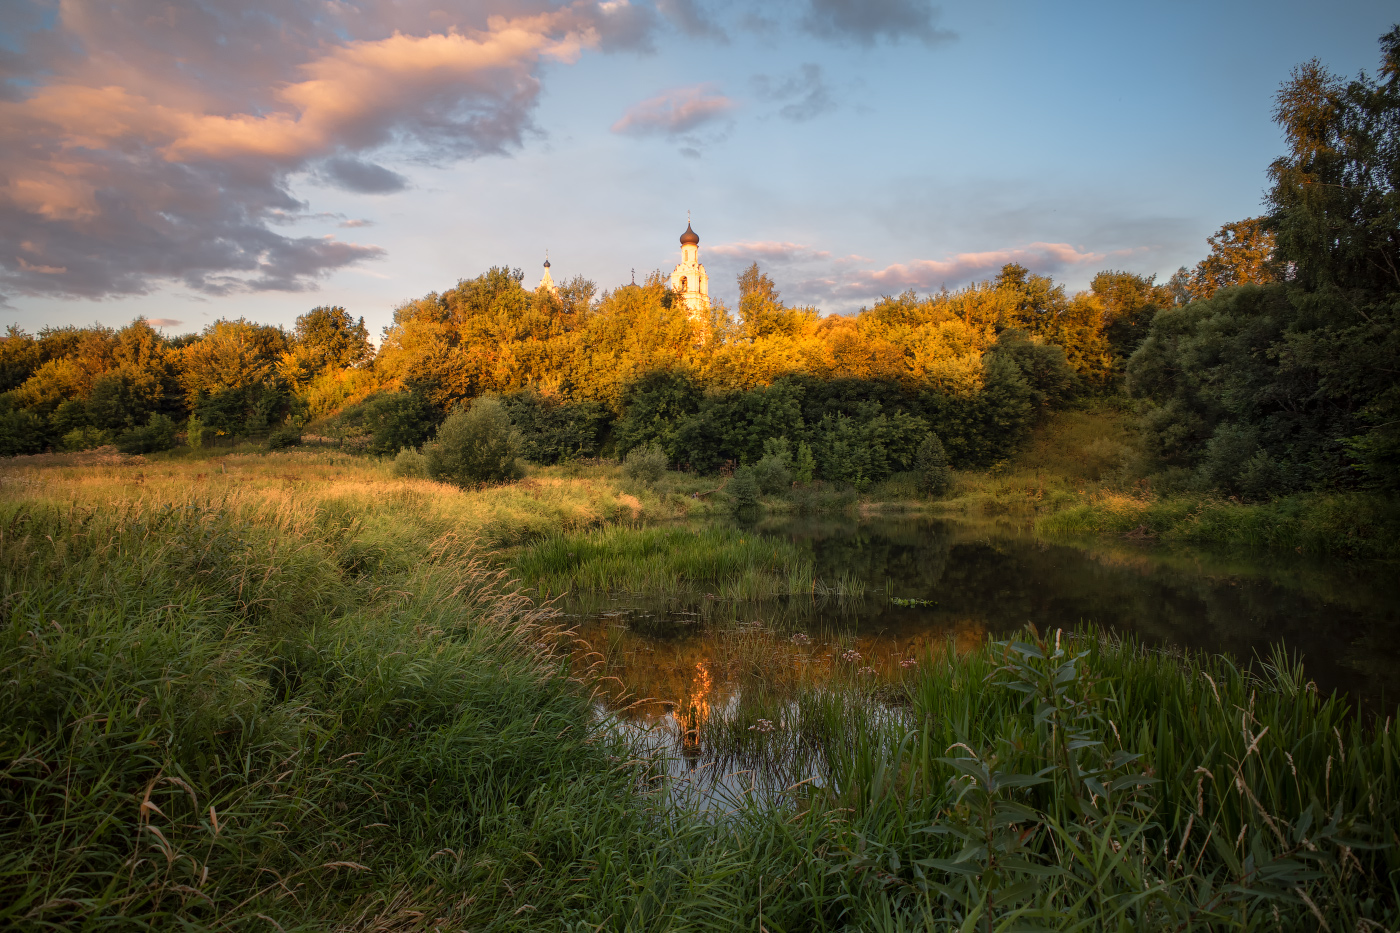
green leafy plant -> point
(645, 464)
(476, 445)
(157, 434)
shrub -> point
(397, 420)
(410, 464)
(645, 464)
(283, 437)
(931, 467)
(772, 474)
(804, 465)
(85, 438)
(21, 432)
(555, 431)
(476, 445)
(156, 434)
(743, 489)
(194, 432)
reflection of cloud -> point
(673, 112)
(143, 146)
(865, 21)
(808, 94)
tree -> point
(762, 312)
(326, 338)
(1334, 205)
(1241, 253)
(1129, 303)
(931, 466)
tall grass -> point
(718, 561)
(274, 704)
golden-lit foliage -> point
(491, 335)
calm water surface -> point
(983, 580)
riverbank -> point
(1081, 474)
(299, 695)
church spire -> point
(547, 281)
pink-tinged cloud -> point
(768, 251)
(930, 274)
(676, 111)
(163, 322)
(155, 143)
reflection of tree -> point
(984, 580)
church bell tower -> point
(689, 279)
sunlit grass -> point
(295, 693)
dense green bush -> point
(84, 438)
(476, 445)
(553, 431)
(774, 469)
(645, 464)
(21, 432)
(283, 437)
(931, 467)
(395, 420)
(653, 407)
(743, 490)
(410, 464)
(804, 465)
(732, 428)
(157, 434)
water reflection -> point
(693, 660)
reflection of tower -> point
(689, 279)
(546, 281)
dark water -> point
(985, 580)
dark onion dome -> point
(690, 237)
(546, 263)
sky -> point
(184, 162)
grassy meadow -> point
(291, 692)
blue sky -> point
(851, 149)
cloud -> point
(686, 16)
(809, 94)
(362, 177)
(768, 251)
(931, 274)
(357, 222)
(149, 143)
(867, 21)
(842, 283)
(163, 322)
(674, 112)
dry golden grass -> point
(304, 482)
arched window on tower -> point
(684, 286)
